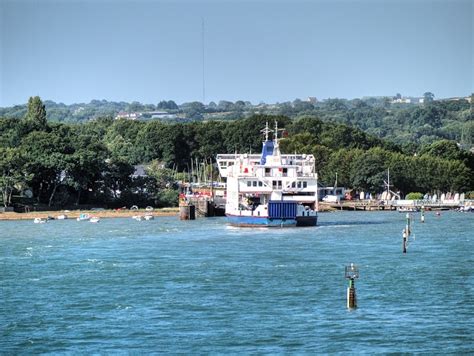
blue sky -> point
(273, 51)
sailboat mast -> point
(388, 181)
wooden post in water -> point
(408, 228)
(405, 238)
(351, 273)
(187, 212)
(422, 214)
(351, 295)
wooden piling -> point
(408, 227)
(351, 295)
(187, 212)
(404, 244)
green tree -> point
(117, 177)
(35, 119)
(402, 173)
(167, 105)
(13, 174)
(121, 138)
(301, 143)
(428, 97)
(135, 106)
(414, 196)
(368, 171)
(148, 142)
(194, 110)
(340, 162)
(209, 139)
(44, 153)
(445, 149)
(164, 188)
(311, 125)
(86, 167)
(164, 177)
(10, 132)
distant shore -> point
(72, 214)
(122, 213)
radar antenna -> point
(266, 131)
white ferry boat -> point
(270, 189)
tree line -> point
(59, 164)
(408, 124)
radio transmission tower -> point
(203, 73)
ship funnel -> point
(267, 150)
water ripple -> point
(202, 287)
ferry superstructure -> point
(270, 189)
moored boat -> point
(94, 219)
(40, 220)
(408, 209)
(83, 217)
(270, 189)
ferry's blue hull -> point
(259, 221)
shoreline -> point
(108, 213)
(72, 214)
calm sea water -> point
(167, 286)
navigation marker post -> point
(408, 227)
(422, 214)
(406, 233)
(405, 239)
(351, 273)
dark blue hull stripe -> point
(265, 221)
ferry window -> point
(249, 183)
(285, 172)
(274, 183)
(305, 184)
(267, 171)
(231, 163)
(293, 185)
(254, 183)
(223, 163)
(279, 184)
(260, 184)
(299, 184)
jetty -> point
(208, 200)
(370, 205)
(207, 206)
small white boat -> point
(407, 209)
(148, 217)
(94, 219)
(83, 217)
(466, 209)
(40, 221)
(137, 217)
(61, 217)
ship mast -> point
(276, 132)
(266, 130)
(276, 149)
